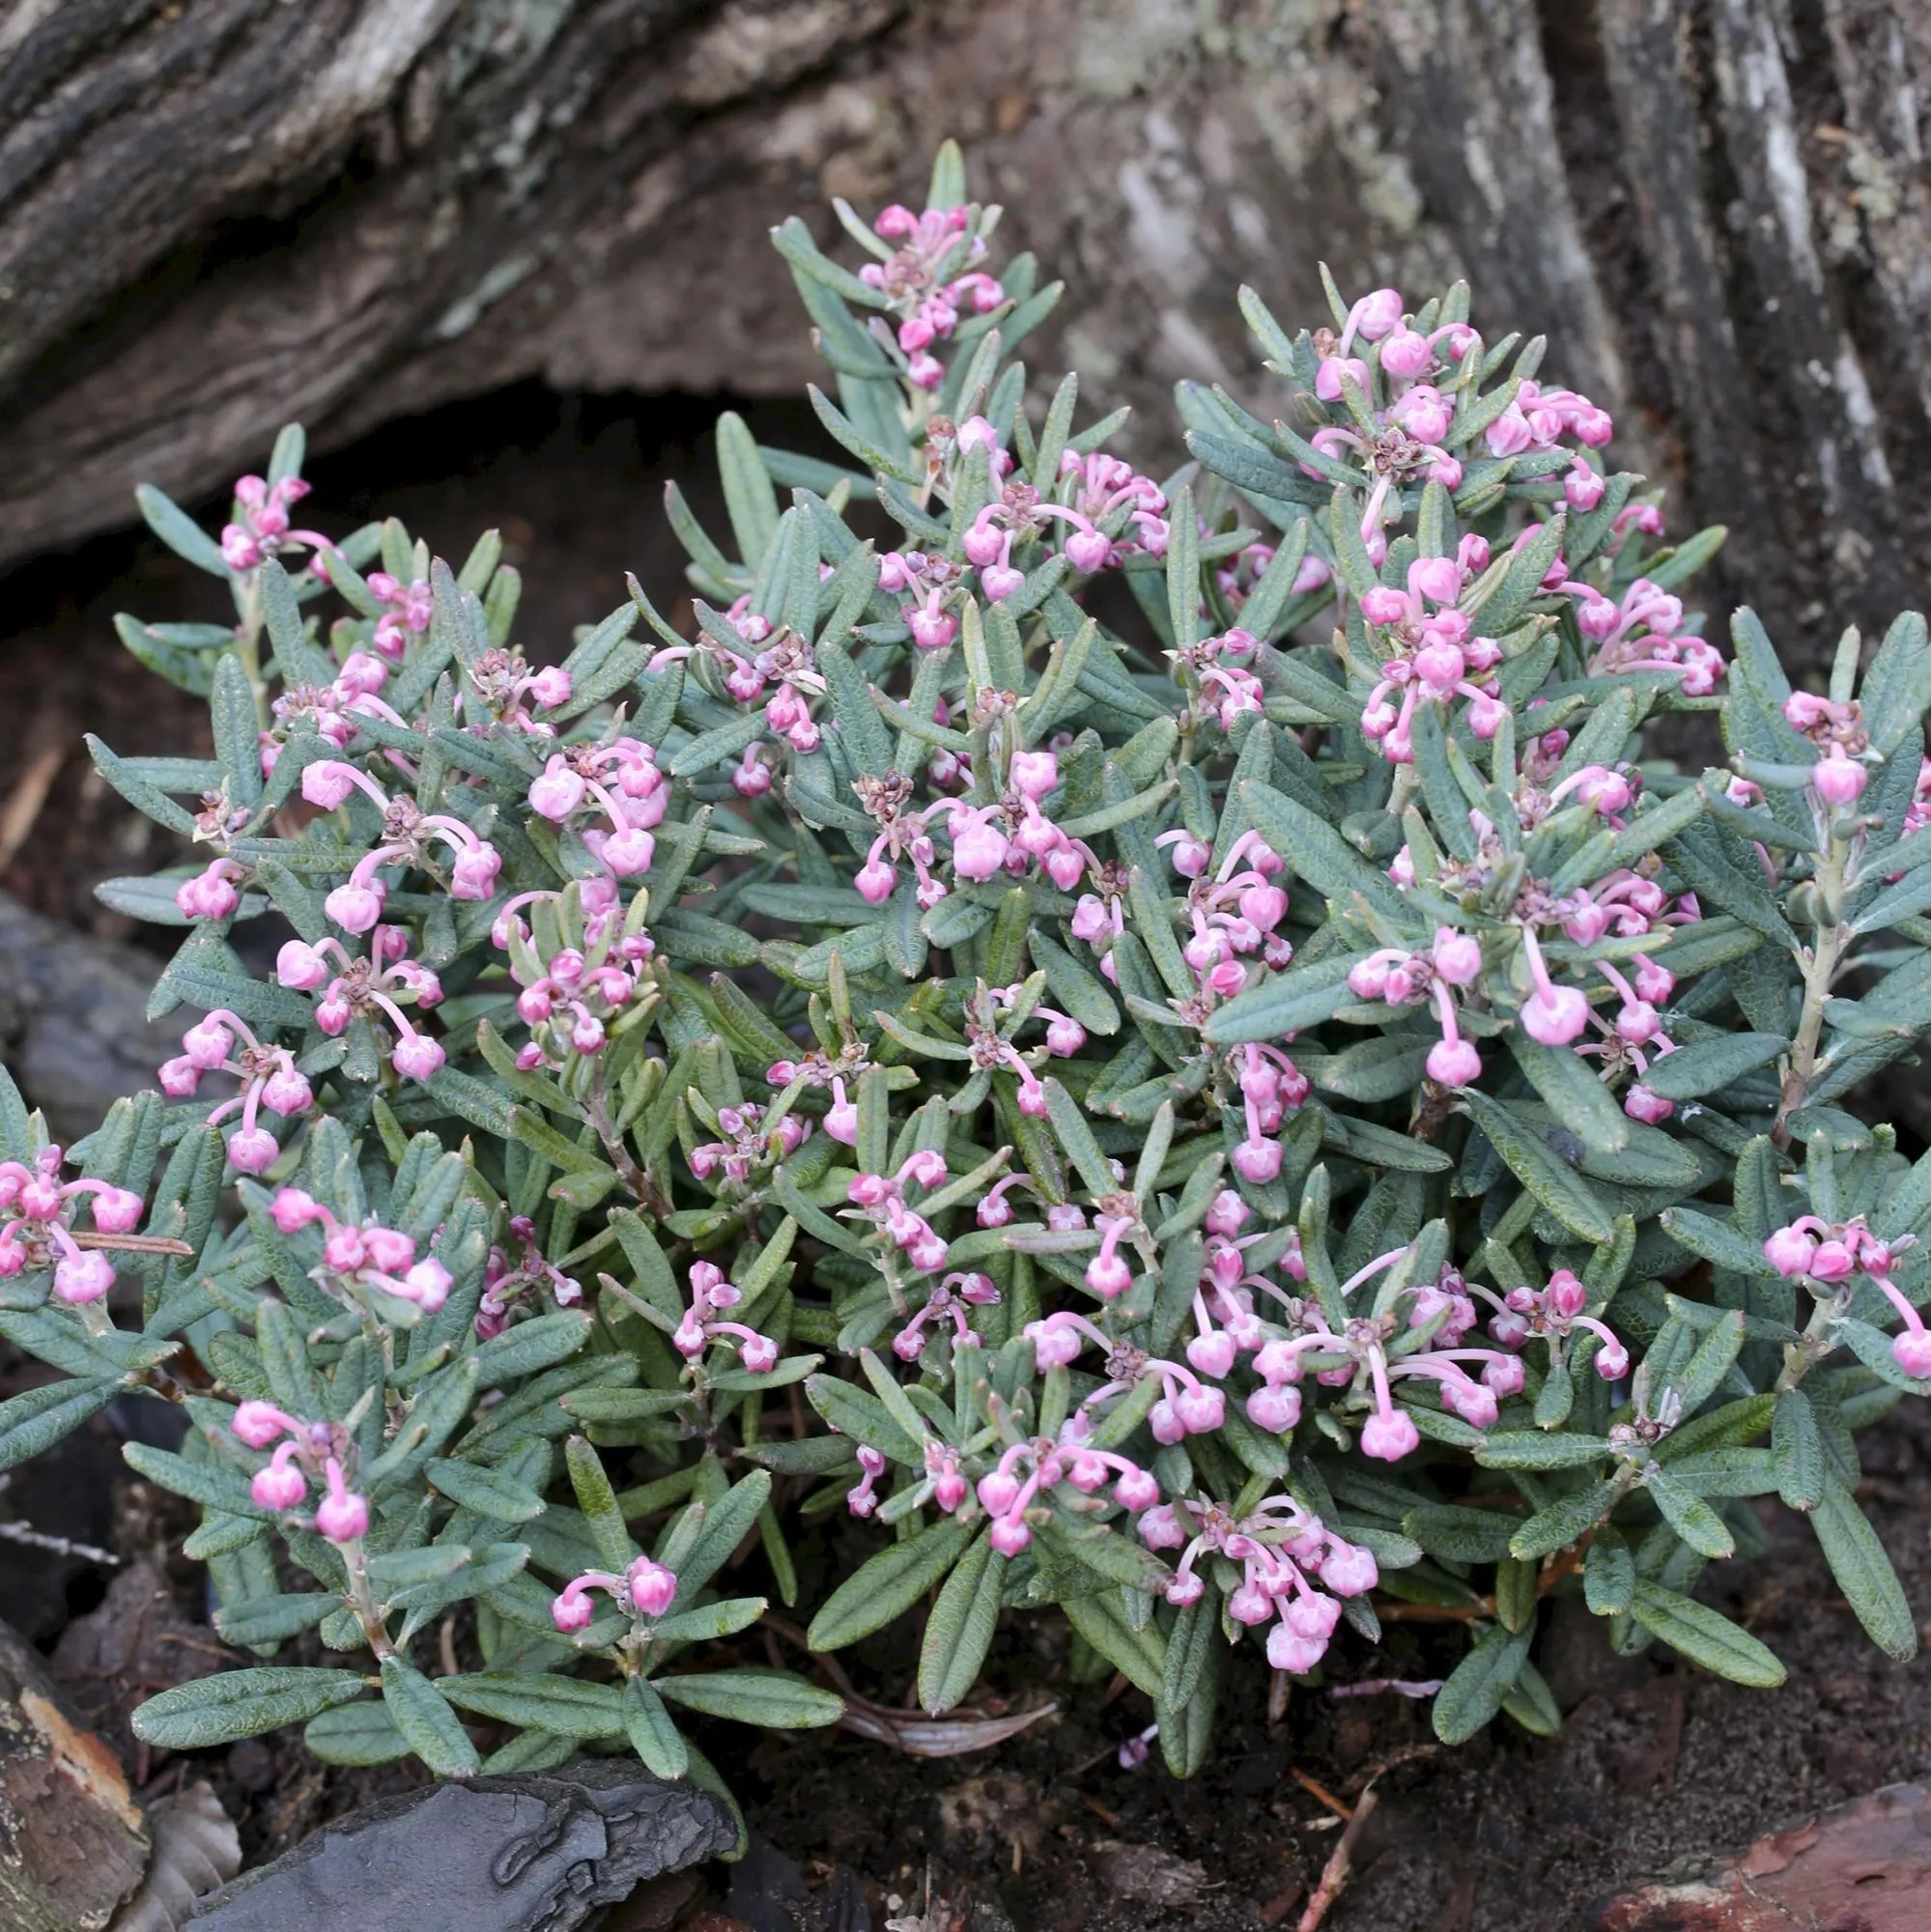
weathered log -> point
(215, 218)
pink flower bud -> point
(1838, 779)
(252, 1151)
(1328, 376)
(1454, 1063)
(1276, 1410)
(572, 1610)
(550, 687)
(1652, 1109)
(259, 1423)
(1388, 1437)
(652, 1587)
(428, 1284)
(342, 1516)
(1201, 1410)
(388, 1249)
(356, 908)
(294, 1211)
(417, 1056)
(281, 1486)
(1789, 1251)
(1347, 1569)
(998, 1493)
(1108, 1275)
(933, 629)
(558, 792)
(1555, 1017)
(1213, 1354)
(1833, 1260)
(83, 1277)
(1457, 956)
(1034, 774)
(327, 783)
(1912, 1351)
(1406, 355)
(209, 894)
(117, 1210)
(302, 967)
(1567, 1296)
(1009, 1535)
(629, 853)
(1065, 1037)
(1087, 549)
(287, 1093)
(1136, 1489)
(179, 1076)
(1258, 1161)
(474, 875)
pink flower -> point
(1390, 1436)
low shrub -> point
(1220, 1121)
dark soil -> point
(1656, 1760)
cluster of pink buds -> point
(268, 1075)
(357, 1258)
(1271, 1087)
(1026, 1470)
(1224, 691)
(261, 527)
(1636, 1037)
(1817, 1250)
(646, 1590)
(569, 1000)
(366, 989)
(1554, 1314)
(212, 894)
(506, 1282)
(1186, 1404)
(500, 689)
(922, 287)
(786, 661)
(928, 579)
(1431, 657)
(1840, 775)
(308, 1452)
(1238, 911)
(407, 833)
(1400, 978)
(1644, 632)
(1362, 1352)
(1102, 496)
(1406, 444)
(407, 608)
(38, 1231)
(881, 1199)
(1280, 1546)
(622, 780)
(745, 1145)
(329, 710)
(1539, 418)
(710, 1291)
(953, 1298)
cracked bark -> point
(213, 220)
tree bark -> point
(216, 218)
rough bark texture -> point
(223, 217)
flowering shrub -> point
(1228, 1130)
